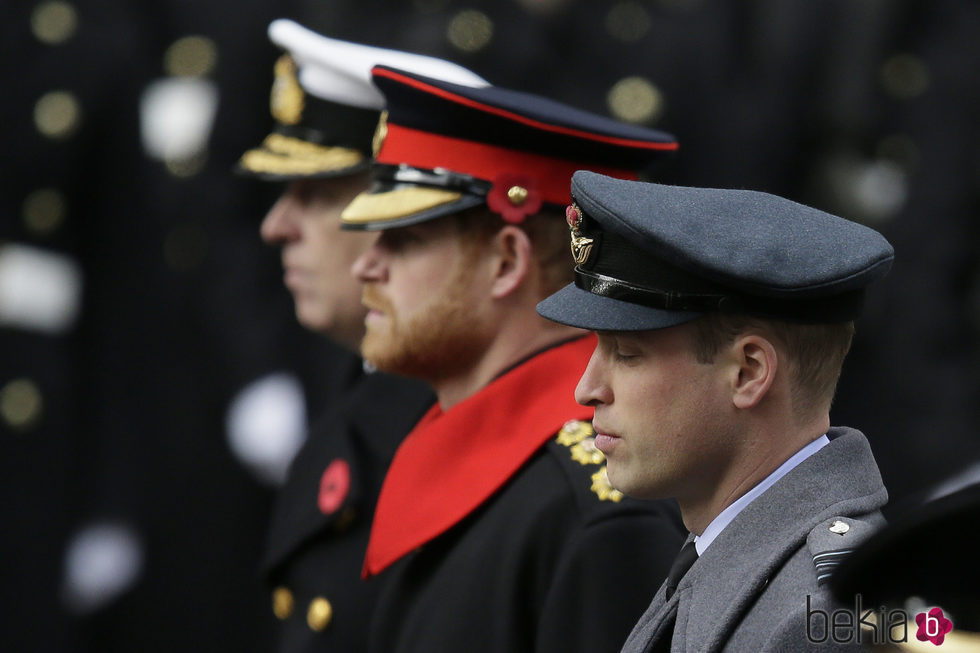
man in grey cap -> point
(723, 319)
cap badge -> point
(581, 246)
(514, 197)
(286, 101)
(380, 133)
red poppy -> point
(334, 486)
(514, 197)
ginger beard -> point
(442, 339)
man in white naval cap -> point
(326, 110)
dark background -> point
(869, 109)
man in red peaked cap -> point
(496, 525)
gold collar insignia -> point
(574, 431)
(579, 437)
(603, 489)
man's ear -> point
(756, 362)
(512, 262)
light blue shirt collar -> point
(718, 524)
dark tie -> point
(688, 554)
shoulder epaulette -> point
(833, 540)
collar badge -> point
(574, 431)
(603, 488)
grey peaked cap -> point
(698, 249)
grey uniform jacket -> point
(749, 590)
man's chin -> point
(425, 359)
(620, 480)
(379, 351)
(311, 320)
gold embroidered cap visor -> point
(402, 196)
(282, 158)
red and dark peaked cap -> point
(460, 142)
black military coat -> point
(550, 560)
(319, 529)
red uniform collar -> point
(454, 461)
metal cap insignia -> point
(287, 99)
(380, 133)
(581, 246)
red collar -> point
(454, 461)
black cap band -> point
(333, 124)
(839, 308)
(600, 284)
(389, 176)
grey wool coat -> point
(757, 586)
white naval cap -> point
(326, 105)
(340, 71)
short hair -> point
(547, 231)
(816, 352)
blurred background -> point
(153, 382)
